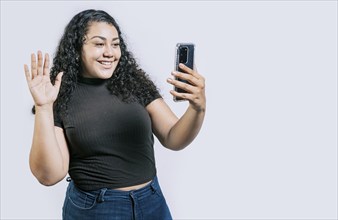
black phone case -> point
(187, 59)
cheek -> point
(118, 54)
(86, 61)
(90, 56)
(95, 53)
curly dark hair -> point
(129, 81)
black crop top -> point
(110, 142)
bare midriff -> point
(136, 187)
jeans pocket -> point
(158, 192)
(81, 199)
(155, 187)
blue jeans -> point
(146, 203)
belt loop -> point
(153, 188)
(101, 196)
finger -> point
(40, 63)
(184, 76)
(185, 68)
(181, 85)
(192, 72)
(185, 96)
(33, 65)
(46, 65)
(27, 74)
(58, 80)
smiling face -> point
(100, 51)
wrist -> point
(44, 108)
(198, 109)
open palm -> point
(40, 86)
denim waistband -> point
(106, 194)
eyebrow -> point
(103, 38)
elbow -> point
(175, 146)
(175, 141)
(45, 178)
(46, 182)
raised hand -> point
(195, 91)
(40, 86)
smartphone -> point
(184, 54)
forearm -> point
(186, 129)
(46, 161)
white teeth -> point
(106, 63)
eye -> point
(99, 44)
(116, 44)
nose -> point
(109, 51)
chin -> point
(105, 75)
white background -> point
(268, 147)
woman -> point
(95, 115)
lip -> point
(106, 63)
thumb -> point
(58, 80)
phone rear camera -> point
(183, 55)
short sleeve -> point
(154, 95)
